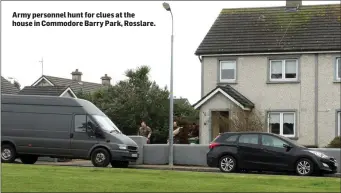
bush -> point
(241, 121)
(335, 143)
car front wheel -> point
(304, 167)
(227, 164)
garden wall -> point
(193, 154)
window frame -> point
(235, 71)
(337, 64)
(87, 118)
(283, 79)
(281, 117)
(74, 122)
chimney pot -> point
(293, 4)
(77, 75)
(106, 80)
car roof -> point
(247, 132)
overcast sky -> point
(97, 51)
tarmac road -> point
(87, 163)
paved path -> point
(86, 163)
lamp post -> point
(167, 8)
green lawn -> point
(37, 178)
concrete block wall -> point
(140, 141)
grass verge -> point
(38, 178)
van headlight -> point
(319, 154)
(122, 146)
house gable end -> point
(229, 93)
(41, 81)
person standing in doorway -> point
(145, 131)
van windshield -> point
(106, 124)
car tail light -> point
(213, 145)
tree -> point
(16, 84)
(183, 110)
(130, 101)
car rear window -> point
(226, 138)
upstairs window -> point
(284, 70)
(228, 71)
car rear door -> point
(275, 155)
(249, 151)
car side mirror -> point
(286, 146)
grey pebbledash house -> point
(281, 61)
(63, 87)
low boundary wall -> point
(192, 154)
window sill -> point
(292, 138)
(283, 82)
(224, 83)
(337, 81)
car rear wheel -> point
(8, 153)
(100, 157)
(119, 164)
(227, 164)
(28, 159)
(304, 167)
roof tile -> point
(43, 90)
(273, 29)
(76, 86)
(7, 87)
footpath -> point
(86, 163)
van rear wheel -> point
(28, 159)
(100, 157)
(119, 164)
(8, 153)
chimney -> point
(77, 75)
(293, 4)
(106, 80)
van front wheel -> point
(8, 153)
(28, 159)
(100, 157)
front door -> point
(220, 123)
(249, 151)
(275, 156)
(82, 136)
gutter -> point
(269, 53)
(200, 58)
